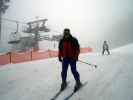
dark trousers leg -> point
(65, 64)
(108, 51)
(74, 70)
(103, 51)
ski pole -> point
(87, 63)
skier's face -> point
(66, 34)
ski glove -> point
(60, 59)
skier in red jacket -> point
(69, 50)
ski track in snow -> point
(40, 80)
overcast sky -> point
(91, 21)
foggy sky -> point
(91, 21)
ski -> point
(70, 95)
(58, 93)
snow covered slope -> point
(125, 49)
(40, 80)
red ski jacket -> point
(69, 48)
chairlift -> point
(36, 26)
(14, 38)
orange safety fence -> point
(20, 57)
(4, 59)
(14, 57)
(40, 55)
(53, 53)
(85, 50)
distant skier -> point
(105, 48)
(69, 50)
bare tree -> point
(3, 7)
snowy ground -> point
(40, 80)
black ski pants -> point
(107, 50)
(65, 64)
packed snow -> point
(40, 80)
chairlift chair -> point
(14, 38)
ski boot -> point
(77, 86)
(63, 86)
